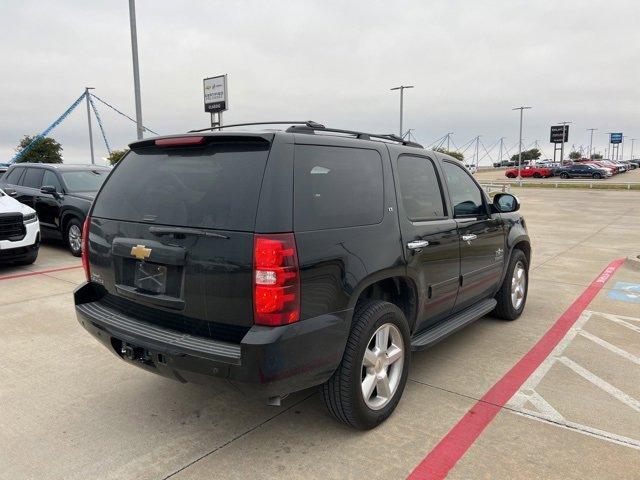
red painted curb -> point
(41, 272)
(444, 456)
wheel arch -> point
(395, 288)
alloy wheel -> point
(382, 366)
(75, 238)
(518, 285)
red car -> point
(530, 171)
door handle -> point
(417, 245)
(469, 237)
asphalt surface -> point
(71, 410)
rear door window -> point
(214, 187)
(14, 176)
(336, 187)
(419, 188)
(33, 178)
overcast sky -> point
(330, 61)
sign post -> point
(559, 135)
(215, 98)
(615, 139)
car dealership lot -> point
(497, 174)
(72, 410)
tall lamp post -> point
(591, 141)
(633, 140)
(136, 70)
(86, 96)
(401, 88)
(522, 109)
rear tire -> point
(597, 176)
(537, 175)
(512, 295)
(564, 175)
(73, 237)
(371, 363)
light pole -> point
(86, 96)
(401, 88)
(633, 140)
(136, 70)
(622, 148)
(564, 134)
(591, 140)
(522, 109)
(501, 145)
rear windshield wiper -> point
(161, 231)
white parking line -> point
(545, 412)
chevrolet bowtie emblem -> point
(140, 252)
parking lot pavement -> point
(72, 410)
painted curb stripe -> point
(452, 447)
(41, 272)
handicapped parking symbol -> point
(626, 292)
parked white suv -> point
(19, 232)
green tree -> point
(46, 150)
(575, 155)
(532, 154)
(596, 156)
(456, 155)
(115, 156)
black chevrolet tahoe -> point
(279, 260)
(60, 194)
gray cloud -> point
(331, 61)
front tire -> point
(597, 176)
(512, 295)
(564, 175)
(368, 384)
(73, 237)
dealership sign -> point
(215, 94)
(615, 137)
(559, 134)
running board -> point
(433, 335)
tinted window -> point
(466, 197)
(51, 180)
(32, 178)
(14, 176)
(84, 180)
(336, 187)
(419, 188)
(213, 187)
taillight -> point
(85, 248)
(179, 141)
(276, 280)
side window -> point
(466, 197)
(419, 188)
(51, 180)
(336, 187)
(14, 176)
(33, 178)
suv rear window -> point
(336, 187)
(213, 187)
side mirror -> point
(11, 192)
(49, 190)
(506, 203)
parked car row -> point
(584, 168)
(61, 195)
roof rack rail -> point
(308, 123)
(360, 135)
(311, 127)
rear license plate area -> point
(150, 278)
